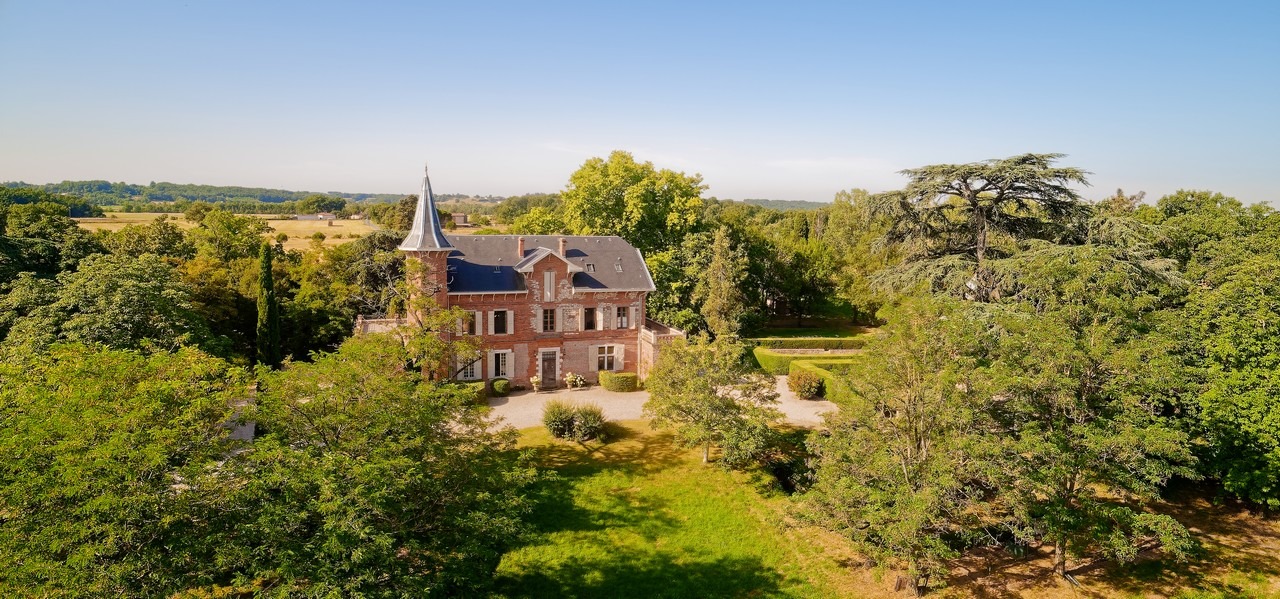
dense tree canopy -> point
(651, 208)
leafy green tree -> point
(722, 301)
(116, 301)
(370, 480)
(650, 208)
(516, 206)
(45, 240)
(706, 394)
(228, 236)
(316, 203)
(957, 210)
(1079, 374)
(909, 461)
(160, 237)
(1236, 324)
(268, 331)
(539, 221)
(22, 296)
(852, 237)
(108, 456)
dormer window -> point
(617, 266)
(591, 267)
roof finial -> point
(424, 168)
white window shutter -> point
(618, 364)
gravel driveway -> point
(524, 409)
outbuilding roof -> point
(492, 263)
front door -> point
(549, 370)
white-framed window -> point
(548, 320)
(470, 371)
(624, 317)
(589, 319)
(500, 322)
(609, 357)
(500, 364)
(472, 325)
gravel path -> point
(524, 409)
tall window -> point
(623, 313)
(605, 355)
(471, 371)
(500, 322)
(501, 365)
(549, 320)
(588, 319)
(474, 318)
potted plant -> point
(574, 380)
(535, 381)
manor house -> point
(543, 305)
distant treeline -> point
(786, 205)
(178, 197)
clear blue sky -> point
(767, 100)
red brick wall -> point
(527, 339)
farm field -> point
(299, 231)
(639, 516)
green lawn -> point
(640, 517)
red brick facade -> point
(546, 328)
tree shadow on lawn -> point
(625, 449)
(628, 453)
(1237, 549)
(633, 574)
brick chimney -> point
(520, 248)
(563, 243)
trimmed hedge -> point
(773, 362)
(621, 382)
(811, 342)
(501, 387)
(835, 387)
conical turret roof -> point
(426, 234)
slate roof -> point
(488, 263)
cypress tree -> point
(268, 311)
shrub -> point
(501, 387)
(588, 423)
(558, 417)
(477, 391)
(621, 382)
(804, 382)
(574, 422)
(833, 374)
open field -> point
(641, 517)
(299, 231)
